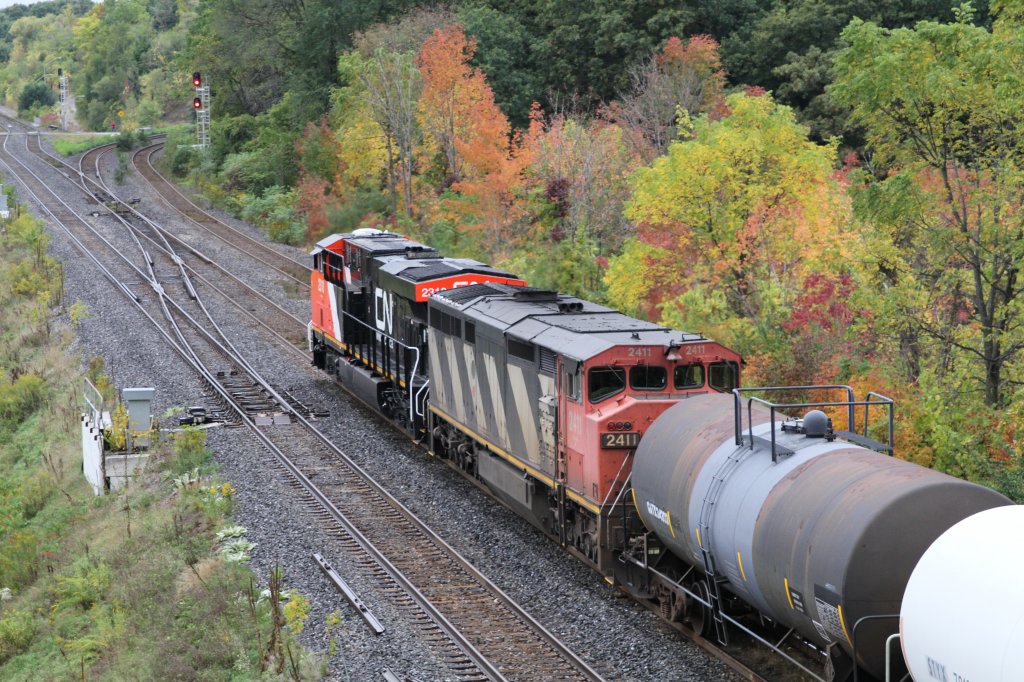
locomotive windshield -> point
(647, 378)
(724, 376)
(688, 376)
(604, 382)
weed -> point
(19, 558)
(36, 490)
(190, 451)
(83, 586)
(17, 629)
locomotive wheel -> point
(700, 615)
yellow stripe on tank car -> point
(743, 573)
(842, 622)
(699, 543)
(668, 515)
(788, 596)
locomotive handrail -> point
(622, 467)
(415, 366)
(872, 398)
(421, 399)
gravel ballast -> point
(612, 633)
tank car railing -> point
(410, 367)
(853, 643)
(777, 648)
(850, 404)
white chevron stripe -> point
(496, 400)
(335, 313)
(473, 384)
(527, 413)
(455, 378)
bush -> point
(35, 492)
(35, 94)
(126, 141)
(17, 629)
(21, 398)
(19, 558)
(83, 586)
(190, 451)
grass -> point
(133, 584)
(76, 143)
(69, 145)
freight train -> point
(634, 446)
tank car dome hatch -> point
(815, 424)
(961, 613)
(818, 540)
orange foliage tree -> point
(480, 156)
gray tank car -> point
(816, 535)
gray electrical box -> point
(139, 414)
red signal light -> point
(197, 103)
(197, 79)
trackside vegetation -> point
(832, 189)
(146, 583)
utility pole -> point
(201, 104)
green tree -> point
(113, 44)
(734, 216)
(35, 94)
(588, 47)
(503, 53)
(941, 104)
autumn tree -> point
(681, 77)
(730, 222)
(392, 84)
(457, 106)
(479, 156)
(942, 105)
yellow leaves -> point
(363, 153)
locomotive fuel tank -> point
(819, 539)
(961, 618)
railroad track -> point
(476, 628)
(142, 161)
(284, 327)
(298, 272)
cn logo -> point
(384, 306)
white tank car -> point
(962, 618)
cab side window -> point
(571, 383)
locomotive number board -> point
(620, 440)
